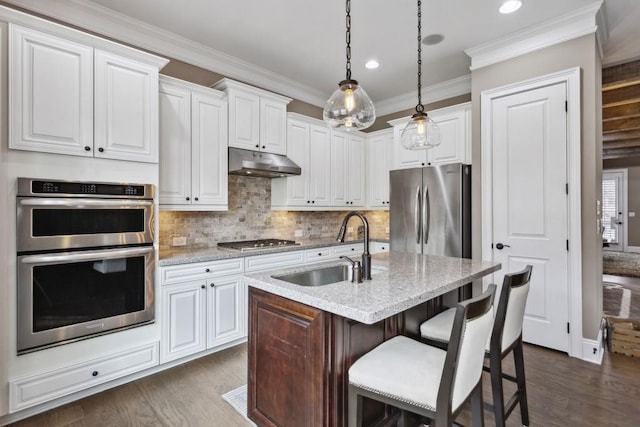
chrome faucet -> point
(366, 256)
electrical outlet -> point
(298, 233)
(632, 214)
(386, 230)
(180, 241)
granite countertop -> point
(399, 281)
(174, 256)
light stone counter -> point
(176, 256)
(399, 281)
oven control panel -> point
(56, 188)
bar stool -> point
(425, 380)
(506, 336)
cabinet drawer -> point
(348, 250)
(272, 261)
(201, 270)
(316, 255)
(30, 391)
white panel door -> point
(319, 165)
(244, 120)
(298, 151)
(339, 178)
(175, 145)
(225, 311)
(209, 150)
(126, 109)
(614, 209)
(183, 320)
(529, 170)
(50, 93)
(273, 126)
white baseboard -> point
(593, 350)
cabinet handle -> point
(207, 270)
(94, 373)
(87, 148)
(101, 150)
(202, 286)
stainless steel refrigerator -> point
(430, 210)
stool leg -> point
(518, 358)
(477, 407)
(495, 368)
(355, 408)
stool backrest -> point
(465, 353)
(507, 326)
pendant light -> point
(349, 107)
(421, 133)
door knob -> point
(500, 246)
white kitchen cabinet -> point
(193, 148)
(309, 145)
(203, 307)
(126, 109)
(101, 105)
(347, 170)
(455, 145)
(257, 118)
(378, 247)
(33, 390)
(273, 261)
(379, 147)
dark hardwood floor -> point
(562, 392)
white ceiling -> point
(303, 41)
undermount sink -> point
(318, 277)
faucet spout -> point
(366, 256)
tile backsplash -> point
(250, 217)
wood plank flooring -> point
(562, 392)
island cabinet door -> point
(286, 362)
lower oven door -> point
(73, 295)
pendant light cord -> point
(348, 39)
(419, 107)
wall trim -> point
(593, 350)
(586, 20)
(634, 249)
(572, 79)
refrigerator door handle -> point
(416, 215)
(426, 215)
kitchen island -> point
(302, 339)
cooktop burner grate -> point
(251, 245)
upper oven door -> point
(72, 223)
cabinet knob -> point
(101, 150)
(257, 146)
(212, 284)
(308, 201)
(202, 286)
(196, 199)
(263, 147)
(87, 148)
(94, 373)
(207, 270)
(188, 198)
(422, 164)
(353, 249)
(313, 201)
(319, 253)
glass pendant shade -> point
(349, 107)
(421, 133)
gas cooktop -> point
(252, 245)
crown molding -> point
(587, 20)
(437, 92)
(104, 21)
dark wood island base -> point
(299, 357)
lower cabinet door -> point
(183, 320)
(226, 310)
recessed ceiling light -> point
(372, 64)
(432, 39)
(510, 6)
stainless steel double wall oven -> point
(85, 259)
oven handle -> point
(84, 202)
(86, 256)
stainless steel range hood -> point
(255, 163)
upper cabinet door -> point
(406, 159)
(454, 136)
(298, 151)
(319, 165)
(244, 120)
(339, 178)
(126, 109)
(209, 150)
(356, 170)
(378, 166)
(175, 145)
(273, 126)
(50, 93)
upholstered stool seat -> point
(506, 337)
(421, 379)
